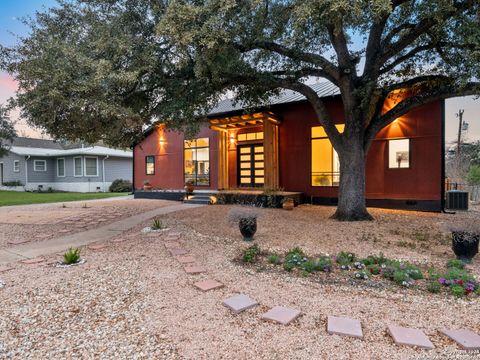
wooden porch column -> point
(270, 148)
(222, 160)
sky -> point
(12, 10)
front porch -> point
(252, 197)
(247, 151)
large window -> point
(150, 165)
(61, 167)
(399, 154)
(197, 161)
(325, 161)
(77, 166)
(91, 166)
(16, 165)
(39, 165)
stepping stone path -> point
(467, 339)
(178, 251)
(208, 285)
(409, 337)
(194, 269)
(186, 259)
(344, 326)
(36, 260)
(282, 315)
(172, 245)
(239, 303)
(17, 242)
(5, 268)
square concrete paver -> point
(5, 268)
(186, 259)
(409, 337)
(207, 285)
(194, 269)
(282, 315)
(467, 339)
(172, 245)
(177, 252)
(36, 260)
(174, 234)
(17, 242)
(239, 303)
(344, 326)
(118, 240)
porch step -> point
(203, 199)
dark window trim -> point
(387, 157)
(146, 162)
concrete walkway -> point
(103, 233)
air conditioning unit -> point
(457, 200)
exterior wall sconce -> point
(231, 139)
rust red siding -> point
(422, 181)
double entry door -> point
(251, 165)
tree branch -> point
(329, 68)
(435, 93)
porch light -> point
(232, 138)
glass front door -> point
(251, 168)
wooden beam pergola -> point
(243, 121)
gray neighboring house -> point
(37, 163)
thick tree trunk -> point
(351, 195)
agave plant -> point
(72, 256)
(157, 224)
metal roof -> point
(323, 89)
(92, 150)
(35, 143)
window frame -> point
(16, 166)
(196, 148)
(146, 163)
(409, 154)
(35, 162)
(75, 168)
(58, 168)
(333, 155)
(85, 165)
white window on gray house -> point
(61, 167)
(16, 165)
(39, 165)
(77, 167)
(91, 168)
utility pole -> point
(459, 140)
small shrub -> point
(375, 259)
(401, 277)
(72, 256)
(274, 259)
(433, 287)
(157, 224)
(308, 266)
(296, 251)
(12, 183)
(454, 263)
(324, 264)
(345, 258)
(288, 267)
(457, 291)
(250, 255)
(120, 185)
(374, 269)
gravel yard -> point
(40, 222)
(134, 300)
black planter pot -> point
(248, 227)
(465, 245)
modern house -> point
(35, 164)
(284, 146)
